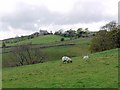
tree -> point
(114, 36)
(30, 36)
(105, 40)
(86, 32)
(51, 33)
(59, 32)
(80, 32)
(62, 39)
(98, 42)
(109, 26)
(71, 33)
(26, 54)
(3, 44)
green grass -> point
(54, 53)
(42, 40)
(100, 72)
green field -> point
(42, 40)
(80, 48)
(101, 71)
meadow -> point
(101, 71)
(80, 48)
(42, 40)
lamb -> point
(86, 58)
(66, 59)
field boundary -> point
(45, 46)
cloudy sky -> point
(23, 17)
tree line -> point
(74, 34)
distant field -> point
(46, 39)
(100, 72)
(80, 48)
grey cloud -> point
(119, 13)
(87, 12)
(26, 15)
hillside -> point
(45, 39)
(101, 71)
(80, 47)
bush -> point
(62, 39)
(3, 44)
(27, 54)
(105, 40)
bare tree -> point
(27, 54)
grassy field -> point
(100, 72)
(42, 40)
(54, 53)
(80, 48)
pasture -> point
(100, 72)
(80, 48)
(42, 40)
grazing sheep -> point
(86, 58)
(66, 59)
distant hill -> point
(45, 39)
(72, 48)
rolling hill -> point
(80, 47)
(46, 39)
(101, 71)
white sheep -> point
(66, 59)
(86, 58)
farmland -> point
(101, 71)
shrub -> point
(3, 44)
(62, 39)
(105, 40)
(27, 54)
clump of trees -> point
(73, 34)
(26, 54)
(107, 38)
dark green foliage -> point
(3, 44)
(59, 32)
(62, 39)
(30, 36)
(109, 26)
(80, 32)
(98, 42)
(115, 37)
(70, 33)
(56, 33)
(105, 40)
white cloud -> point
(62, 6)
(11, 33)
(21, 17)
